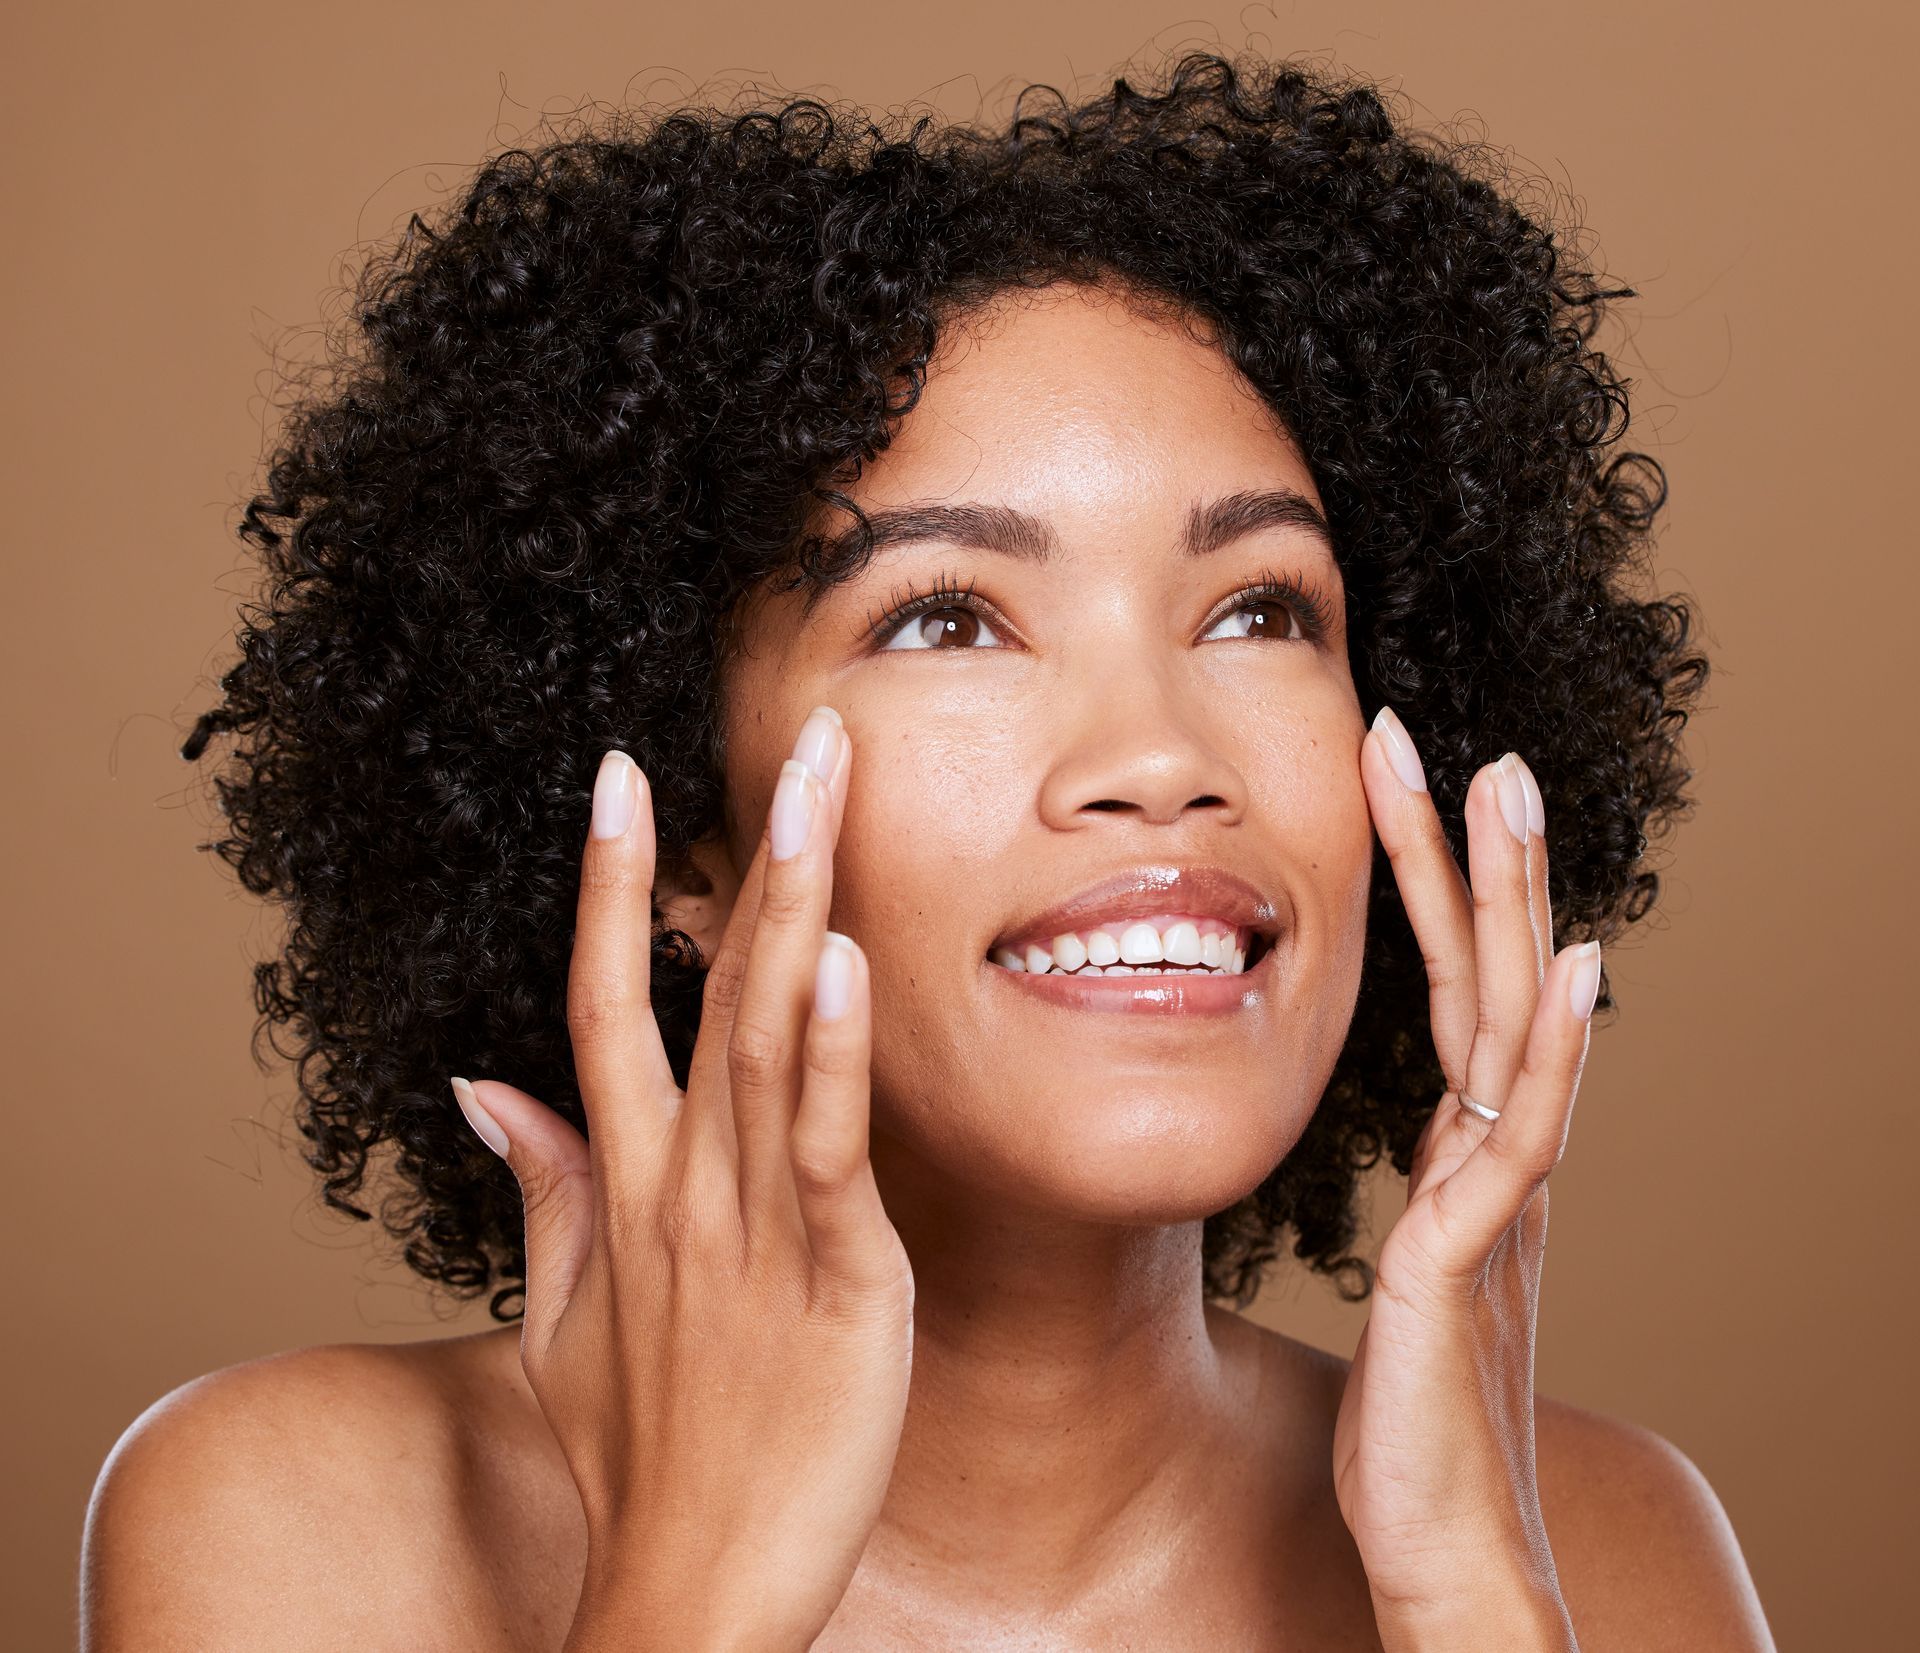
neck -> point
(1067, 1386)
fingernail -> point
(1400, 752)
(833, 981)
(819, 744)
(615, 791)
(1536, 805)
(1583, 985)
(485, 1126)
(792, 812)
(1512, 795)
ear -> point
(695, 893)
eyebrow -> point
(1208, 527)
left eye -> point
(943, 628)
(1263, 617)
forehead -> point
(1079, 402)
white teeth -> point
(1138, 950)
(1183, 944)
(1140, 944)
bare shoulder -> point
(1646, 1555)
(301, 1500)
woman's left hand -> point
(1433, 1451)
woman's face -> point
(1104, 723)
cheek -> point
(1317, 805)
(931, 838)
(934, 809)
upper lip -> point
(1144, 892)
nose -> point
(1143, 746)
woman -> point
(897, 719)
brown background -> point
(1732, 1229)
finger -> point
(710, 1121)
(1430, 882)
(554, 1167)
(626, 1083)
(1539, 903)
(706, 1116)
(769, 1024)
(1485, 1195)
(1506, 965)
(847, 1226)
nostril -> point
(1210, 800)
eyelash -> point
(903, 607)
(1310, 608)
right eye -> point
(948, 626)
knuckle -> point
(833, 1058)
(787, 898)
(720, 992)
(756, 1054)
(1489, 1039)
(1490, 897)
(596, 1000)
(605, 875)
(1495, 1025)
(822, 1169)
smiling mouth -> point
(1163, 944)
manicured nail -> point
(1400, 752)
(1583, 983)
(792, 812)
(616, 790)
(833, 981)
(485, 1126)
(1536, 805)
(819, 744)
(1512, 795)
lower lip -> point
(1182, 995)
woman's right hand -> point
(719, 1314)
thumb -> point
(555, 1171)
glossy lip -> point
(1144, 892)
(1194, 994)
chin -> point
(1127, 1154)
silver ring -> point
(1480, 1108)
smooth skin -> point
(887, 1333)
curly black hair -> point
(581, 411)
